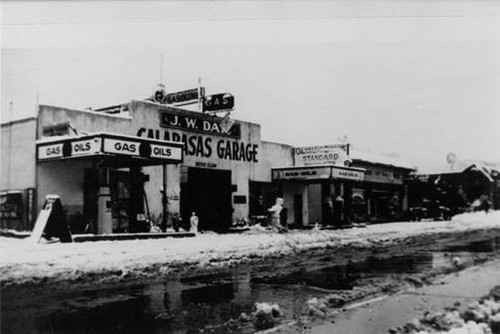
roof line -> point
(22, 120)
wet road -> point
(212, 303)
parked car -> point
(429, 210)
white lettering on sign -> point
(118, 146)
(312, 173)
(166, 152)
(302, 174)
(85, 147)
(348, 174)
(50, 151)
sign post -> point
(51, 222)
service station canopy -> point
(111, 149)
(317, 173)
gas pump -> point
(104, 217)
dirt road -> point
(212, 299)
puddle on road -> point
(191, 304)
(481, 246)
(344, 277)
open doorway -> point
(208, 193)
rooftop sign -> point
(321, 155)
(218, 102)
(185, 96)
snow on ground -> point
(21, 262)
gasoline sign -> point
(218, 102)
(184, 97)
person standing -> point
(194, 223)
(328, 208)
(275, 211)
(338, 211)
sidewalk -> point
(396, 310)
(89, 262)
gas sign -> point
(217, 102)
(50, 151)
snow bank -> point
(22, 263)
(481, 317)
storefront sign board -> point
(159, 151)
(170, 118)
(301, 173)
(347, 174)
(121, 146)
(50, 151)
(317, 173)
(321, 155)
(105, 144)
(85, 147)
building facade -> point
(115, 169)
(218, 168)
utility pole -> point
(161, 68)
(9, 166)
(200, 97)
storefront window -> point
(359, 207)
(262, 196)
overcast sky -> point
(418, 77)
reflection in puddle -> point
(344, 277)
(482, 246)
(210, 302)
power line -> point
(359, 17)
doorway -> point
(297, 210)
(208, 193)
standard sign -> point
(321, 155)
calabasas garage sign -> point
(321, 155)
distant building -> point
(383, 196)
(460, 185)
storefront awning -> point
(111, 149)
(318, 173)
